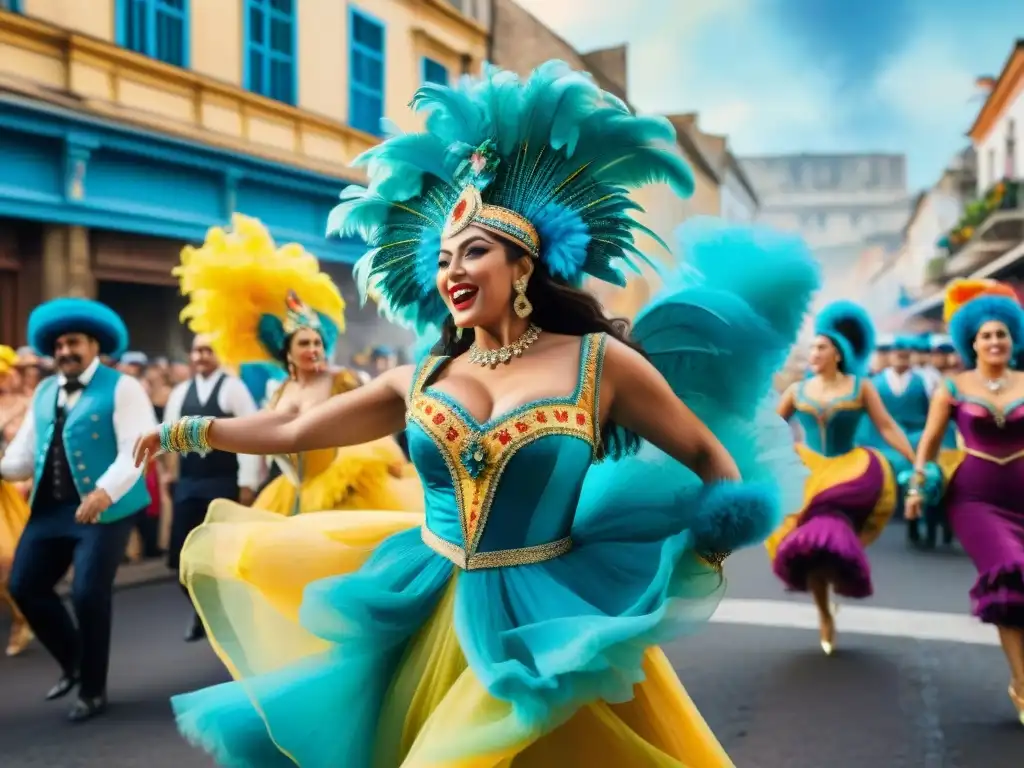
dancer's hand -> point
(92, 506)
(912, 507)
(246, 496)
(147, 448)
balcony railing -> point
(989, 227)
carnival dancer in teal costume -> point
(76, 444)
(516, 623)
(851, 492)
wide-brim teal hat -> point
(49, 321)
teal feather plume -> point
(567, 157)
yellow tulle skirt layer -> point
(248, 571)
(14, 514)
(371, 476)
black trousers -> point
(50, 544)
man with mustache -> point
(76, 443)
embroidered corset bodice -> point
(830, 428)
(503, 492)
(988, 431)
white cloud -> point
(928, 81)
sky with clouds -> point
(781, 76)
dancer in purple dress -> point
(983, 490)
(850, 492)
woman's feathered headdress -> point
(547, 163)
(249, 295)
(972, 303)
(849, 327)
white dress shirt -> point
(235, 400)
(932, 378)
(133, 416)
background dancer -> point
(257, 302)
(14, 509)
(984, 496)
(76, 444)
(851, 492)
(213, 392)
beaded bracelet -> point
(187, 435)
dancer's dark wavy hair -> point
(559, 308)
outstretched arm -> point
(359, 416)
(637, 397)
(884, 423)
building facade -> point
(987, 240)
(520, 42)
(737, 198)
(129, 127)
(840, 204)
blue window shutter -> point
(434, 71)
(367, 73)
(155, 28)
(271, 43)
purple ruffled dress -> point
(985, 502)
(850, 495)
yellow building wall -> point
(67, 46)
(88, 17)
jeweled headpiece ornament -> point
(547, 163)
(249, 295)
(298, 315)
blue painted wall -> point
(60, 166)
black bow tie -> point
(72, 386)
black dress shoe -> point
(63, 687)
(196, 631)
(86, 708)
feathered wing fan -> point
(717, 332)
(556, 150)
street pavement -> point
(904, 690)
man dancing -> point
(76, 444)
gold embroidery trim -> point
(715, 559)
(1001, 461)
(502, 558)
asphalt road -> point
(887, 699)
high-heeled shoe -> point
(1018, 702)
(20, 637)
(827, 633)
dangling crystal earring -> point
(458, 333)
(521, 305)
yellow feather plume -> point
(237, 276)
(8, 358)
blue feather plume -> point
(849, 327)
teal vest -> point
(89, 439)
(908, 409)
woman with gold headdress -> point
(983, 496)
(257, 302)
(14, 509)
(516, 622)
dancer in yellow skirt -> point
(14, 512)
(516, 622)
(258, 303)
